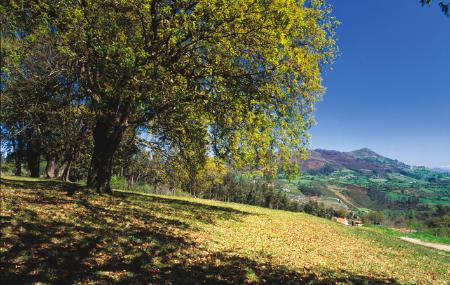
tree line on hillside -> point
(258, 191)
(435, 220)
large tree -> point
(243, 75)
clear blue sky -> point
(389, 89)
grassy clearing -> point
(53, 232)
(426, 236)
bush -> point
(310, 190)
(440, 225)
(118, 182)
(374, 217)
(316, 209)
(7, 168)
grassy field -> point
(59, 233)
(426, 236)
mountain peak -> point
(364, 149)
(365, 152)
(362, 159)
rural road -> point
(439, 246)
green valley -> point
(363, 181)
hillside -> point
(326, 161)
(53, 232)
(364, 179)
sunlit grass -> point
(426, 236)
(48, 236)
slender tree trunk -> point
(108, 133)
(155, 187)
(62, 169)
(131, 182)
(18, 156)
(66, 173)
(33, 156)
(50, 169)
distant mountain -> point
(365, 153)
(363, 179)
(326, 161)
(442, 169)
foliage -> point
(415, 188)
(374, 217)
(439, 223)
(239, 78)
(310, 189)
(317, 209)
(42, 113)
(443, 5)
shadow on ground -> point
(54, 185)
(51, 237)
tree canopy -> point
(234, 79)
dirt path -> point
(439, 246)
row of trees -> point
(435, 220)
(41, 114)
(90, 85)
(254, 190)
(219, 181)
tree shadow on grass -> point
(52, 238)
(201, 212)
(47, 185)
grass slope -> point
(52, 232)
(426, 236)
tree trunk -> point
(137, 178)
(50, 169)
(33, 156)
(66, 172)
(18, 156)
(131, 182)
(108, 133)
(62, 169)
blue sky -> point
(389, 89)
